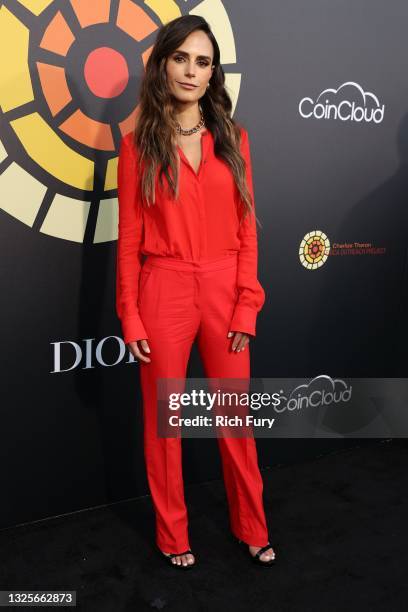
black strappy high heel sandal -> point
(168, 558)
(256, 557)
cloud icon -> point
(346, 92)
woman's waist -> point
(191, 264)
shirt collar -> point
(207, 140)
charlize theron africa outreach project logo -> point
(69, 75)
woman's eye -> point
(202, 63)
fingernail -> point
(147, 350)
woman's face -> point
(191, 63)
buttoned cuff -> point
(133, 329)
(244, 320)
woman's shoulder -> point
(128, 145)
(244, 141)
(128, 140)
(244, 132)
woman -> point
(196, 226)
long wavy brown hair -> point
(154, 134)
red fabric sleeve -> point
(251, 295)
(129, 257)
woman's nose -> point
(190, 70)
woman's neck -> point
(188, 116)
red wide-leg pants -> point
(180, 301)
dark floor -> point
(338, 525)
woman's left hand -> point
(240, 340)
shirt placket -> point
(199, 179)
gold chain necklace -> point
(194, 129)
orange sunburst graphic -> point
(68, 95)
(314, 249)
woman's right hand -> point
(136, 352)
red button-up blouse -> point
(202, 225)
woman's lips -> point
(186, 86)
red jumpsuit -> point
(199, 281)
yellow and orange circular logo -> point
(314, 249)
(68, 86)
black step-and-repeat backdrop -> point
(322, 89)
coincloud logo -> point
(349, 102)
